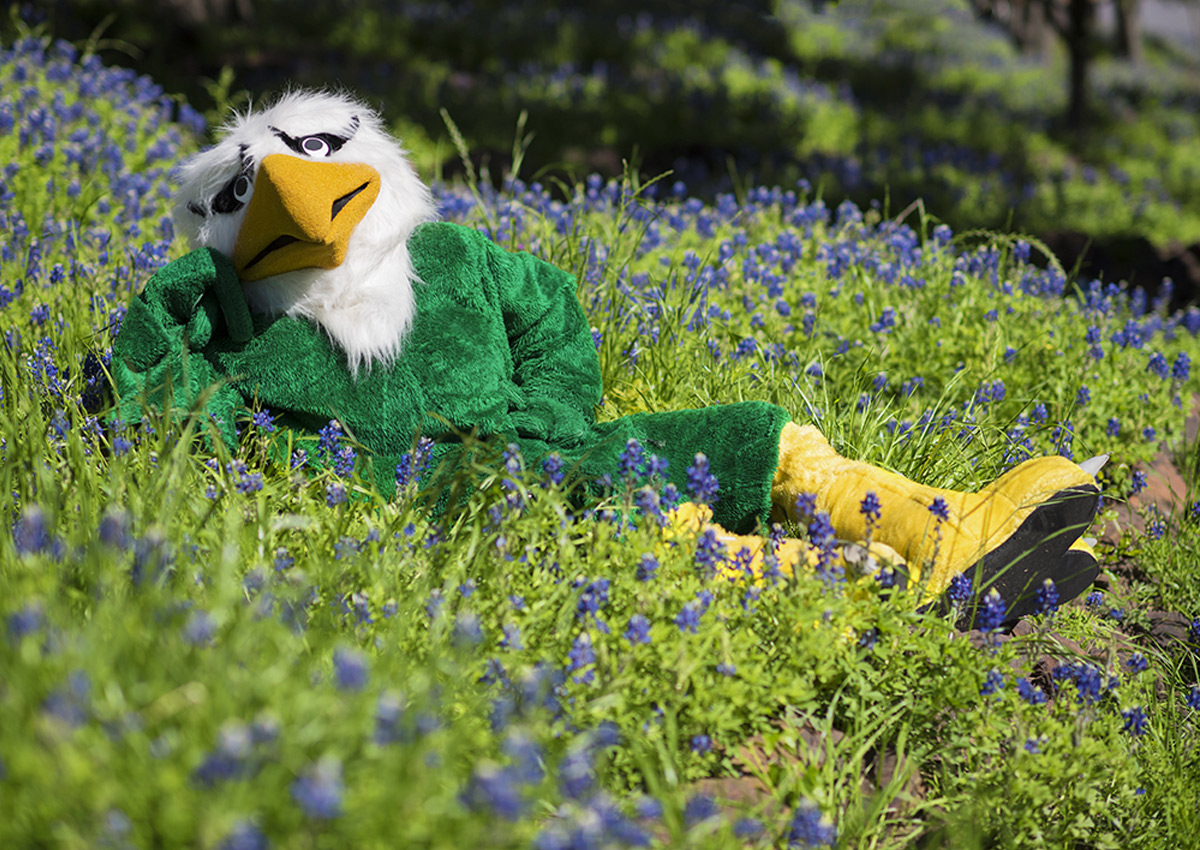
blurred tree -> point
(1129, 29)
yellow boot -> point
(746, 554)
(1012, 534)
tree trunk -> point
(1129, 30)
(1080, 14)
(1030, 27)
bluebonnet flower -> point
(688, 619)
(495, 790)
(575, 774)
(593, 598)
(1193, 698)
(958, 592)
(747, 828)
(30, 532)
(809, 829)
(1149, 434)
(726, 669)
(331, 437)
(1135, 720)
(992, 684)
(1030, 692)
(710, 552)
(699, 808)
(647, 567)
(1136, 663)
(263, 420)
(1033, 746)
(992, 614)
(1113, 428)
(638, 630)
(389, 712)
(343, 462)
(1194, 631)
(701, 743)
(631, 461)
(199, 629)
(244, 835)
(434, 606)
(871, 509)
(702, 484)
(349, 669)
(29, 619)
(414, 463)
(1182, 367)
(1046, 598)
(229, 759)
(1158, 365)
(940, 509)
(319, 790)
(552, 465)
(335, 493)
(1083, 396)
(580, 656)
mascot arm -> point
(554, 357)
(158, 362)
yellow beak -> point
(301, 215)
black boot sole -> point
(1039, 549)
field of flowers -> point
(204, 650)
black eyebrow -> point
(334, 141)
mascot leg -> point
(1013, 534)
(746, 556)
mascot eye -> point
(242, 188)
(315, 146)
(234, 196)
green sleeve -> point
(158, 361)
(554, 357)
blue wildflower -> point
(638, 630)
(993, 612)
(318, 791)
(1046, 598)
(809, 829)
(495, 790)
(1137, 663)
(699, 808)
(349, 669)
(688, 619)
(1135, 720)
(992, 684)
(702, 484)
(244, 835)
(1030, 692)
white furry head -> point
(366, 304)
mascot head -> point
(314, 202)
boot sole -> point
(1039, 549)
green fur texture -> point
(500, 351)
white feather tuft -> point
(366, 304)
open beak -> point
(301, 215)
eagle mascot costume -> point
(321, 286)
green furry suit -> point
(499, 348)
